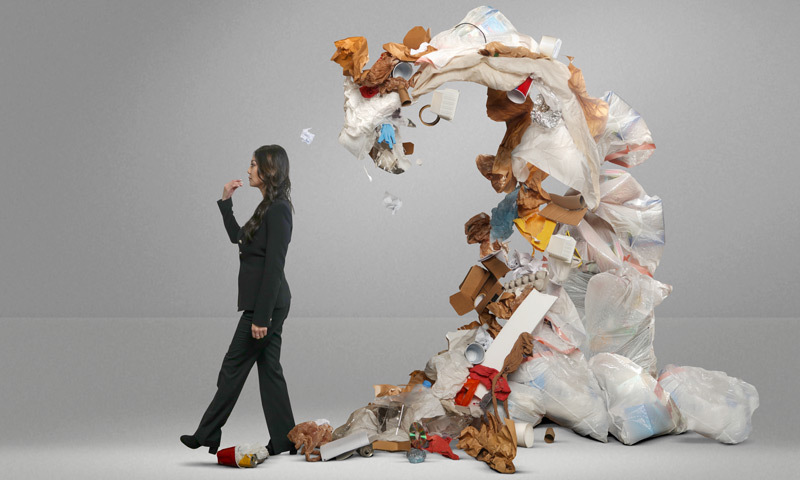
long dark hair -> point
(273, 170)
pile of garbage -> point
(565, 331)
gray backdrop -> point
(121, 121)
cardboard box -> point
(496, 267)
(463, 302)
(391, 446)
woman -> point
(264, 296)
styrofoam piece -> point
(525, 318)
(524, 434)
(444, 103)
(343, 445)
(561, 247)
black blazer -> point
(262, 284)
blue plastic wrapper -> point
(503, 216)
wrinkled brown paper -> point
(413, 39)
(493, 443)
(352, 54)
(531, 194)
(497, 49)
(508, 302)
(477, 230)
(517, 118)
(594, 109)
(308, 437)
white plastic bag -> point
(637, 218)
(637, 406)
(449, 370)
(567, 391)
(626, 140)
(714, 405)
(619, 314)
(525, 403)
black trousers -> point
(243, 352)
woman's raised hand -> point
(229, 188)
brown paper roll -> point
(405, 100)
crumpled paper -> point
(493, 443)
(415, 39)
(391, 202)
(309, 436)
(306, 136)
(352, 54)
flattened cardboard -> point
(391, 446)
(408, 148)
(490, 289)
(496, 266)
(568, 209)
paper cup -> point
(403, 69)
(524, 434)
(474, 353)
(519, 94)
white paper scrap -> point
(306, 136)
(391, 202)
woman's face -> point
(252, 174)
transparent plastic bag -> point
(637, 406)
(525, 403)
(568, 391)
(619, 314)
(480, 26)
(637, 218)
(714, 405)
(626, 140)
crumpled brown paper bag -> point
(308, 437)
(494, 444)
(352, 54)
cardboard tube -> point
(524, 434)
(405, 100)
(429, 124)
(549, 435)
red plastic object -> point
(464, 396)
(227, 456)
(368, 92)
(437, 444)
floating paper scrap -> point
(307, 136)
(391, 202)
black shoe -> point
(192, 442)
(271, 450)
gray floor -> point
(91, 398)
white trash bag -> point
(714, 405)
(568, 392)
(637, 406)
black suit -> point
(262, 284)
(265, 298)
